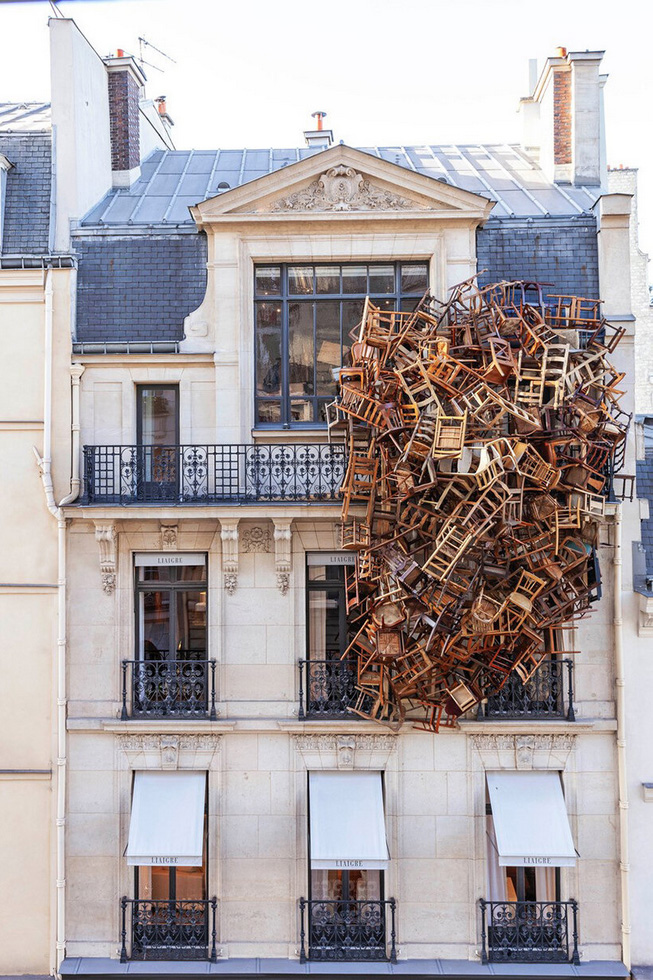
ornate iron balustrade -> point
(181, 688)
(212, 474)
(543, 695)
(169, 930)
(529, 932)
(330, 688)
(347, 930)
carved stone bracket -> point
(645, 615)
(168, 537)
(192, 751)
(229, 536)
(524, 751)
(282, 553)
(256, 540)
(106, 537)
(345, 751)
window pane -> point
(154, 883)
(327, 278)
(269, 411)
(158, 408)
(190, 573)
(300, 349)
(268, 280)
(324, 624)
(414, 277)
(268, 349)
(382, 279)
(352, 311)
(327, 343)
(354, 279)
(155, 625)
(190, 884)
(300, 279)
(316, 573)
(191, 625)
(155, 573)
(301, 410)
(353, 886)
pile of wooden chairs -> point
(482, 436)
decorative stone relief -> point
(152, 751)
(106, 537)
(168, 537)
(229, 536)
(345, 751)
(256, 540)
(518, 751)
(343, 189)
(282, 554)
(645, 615)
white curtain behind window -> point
(496, 875)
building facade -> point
(219, 807)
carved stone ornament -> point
(524, 751)
(343, 189)
(105, 535)
(345, 751)
(256, 540)
(151, 751)
(229, 536)
(168, 537)
(282, 554)
(645, 615)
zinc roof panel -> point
(179, 213)
(230, 159)
(518, 203)
(163, 185)
(257, 160)
(152, 209)
(201, 162)
(192, 185)
(120, 209)
(175, 163)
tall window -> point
(157, 435)
(304, 314)
(171, 609)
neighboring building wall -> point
(138, 288)
(560, 252)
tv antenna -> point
(143, 42)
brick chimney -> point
(563, 118)
(126, 81)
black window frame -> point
(400, 300)
(140, 389)
(200, 585)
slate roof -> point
(26, 228)
(172, 180)
(645, 490)
(24, 117)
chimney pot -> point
(561, 52)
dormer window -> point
(303, 315)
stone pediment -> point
(343, 189)
(341, 181)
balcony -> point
(529, 932)
(168, 930)
(330, 688)
(236, 474)
(181, 688)
(342, 930)
(547, 694)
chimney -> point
(319, 136)
(126, 81)
(565, 106)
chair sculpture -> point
(482, 440)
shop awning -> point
(167, 821)
(347, 824)
(530, 819)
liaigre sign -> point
(152, 558)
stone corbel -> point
(168, 537)
(106, 537)
(282, 553)
(229, 536)
(645, 615)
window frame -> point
(201, 585)
(398, 297)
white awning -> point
(530, 819)
(167, 821)
(347, 822)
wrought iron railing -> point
(330, 688)
(181, 688)
(347, 930)
(168, 930)
(544, 695)
(529, 932)
(212, 474)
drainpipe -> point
(45, 468)
(76, 371)
(620, 681)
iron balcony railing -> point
(347, 930)
(545, 694)
(239, 474)
(181, 688)
(168, 930)
(529, 932)
(330, 688)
